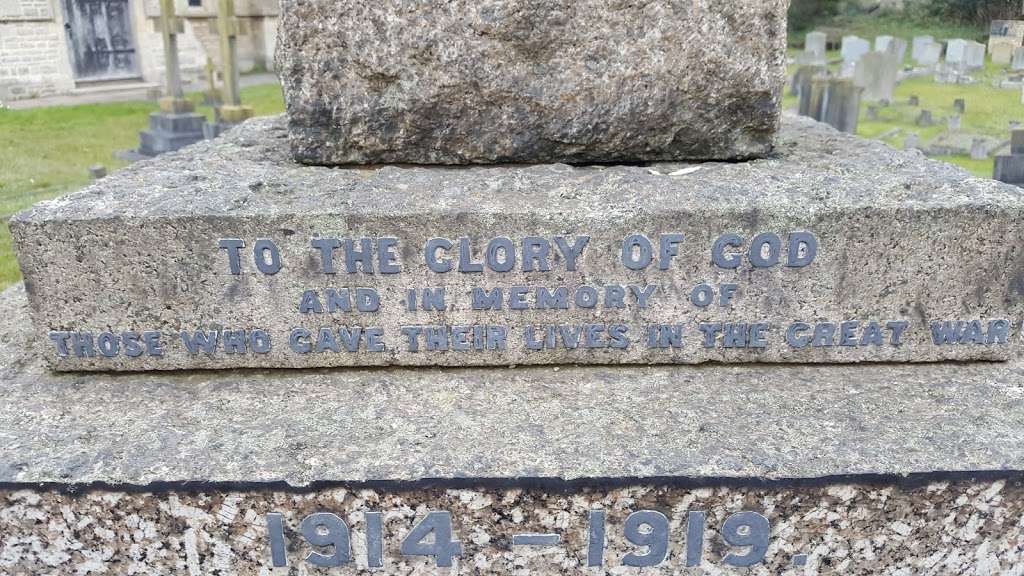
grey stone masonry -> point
(502, 81)
(228, 254)
(299, 427)
(852, 469)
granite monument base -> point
(229, 254)
(796, 470)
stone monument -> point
(1005, 36)
(250, 357)
(965, 54)
(854, 47)
(930, 54)
(1002, 52)
(897, 47)
(1018, 59)
(979, 149)
(815, 48)
(211, 96)
(876, 73)
(918, 44)
(176, 125)
(1009, 168)
(231, 111)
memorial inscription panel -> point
(290, 296)
(279, 265)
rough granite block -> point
(493, 81)
(863, 470)
(229, 254)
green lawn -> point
(989, 109)
(47, 151)
(989, 112)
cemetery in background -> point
(941, 76)
(48, 151)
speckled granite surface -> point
(471, 81)
(937, 528)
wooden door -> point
(99, 34)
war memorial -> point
(519, 288)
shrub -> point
(804, 14)
(974, 11)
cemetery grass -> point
(989, 113)
(46, 152)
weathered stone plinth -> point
(231, 255)
(494, 81)
(864, 469)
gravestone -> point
(511, 389)
(924, 118)
(211, 97)
(1002, 52)
(952, 74)
(876, 73)
(965, 53)
(232, 111)
(914, 100)
(897, 47)
(1009, 168)
(803, 86)
(1004, 37)
(1018, 59)
(956, 51)
(954, 122)
(979, 149)
(815, 48)
(975, 55)
(854, 47)
(176, 125)
(918, 44)
(930, 54)
(836, 102)
(960, 105)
